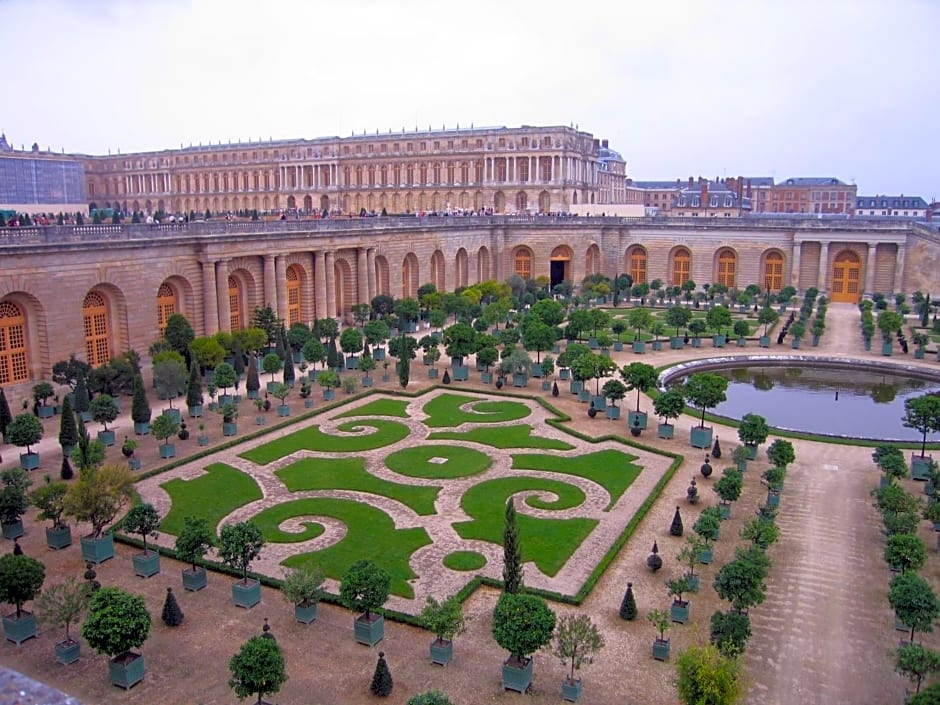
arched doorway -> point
(545, 202)
(344, 287)
(636, 264)
(773, 271)
(499, 202)
(846, 275)
(461, 268)
(522, 202)
(97, 329)
(308, 203)
(13, 352)
(522, 262)
(727, 267)
(592, 260)
(409, 276)
(681, 266)
(483, 264)
(166, 305)
(325, 203)
(560, 265)
(437, 270)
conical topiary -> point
(716, 449)
(382, 678)
(68, 429)
(446, 378)
(554, 389)
(628, 604)
(66, 472)
(172, 614)
(653, 561)
(675, 528)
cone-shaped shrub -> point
(628, 604)
(382, 678)
(172, 614)
(716, 449)
(675, 529)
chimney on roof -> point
(691, 182)
(604, 144)
(704, 184)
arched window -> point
(234, 304)
(166, 305)
(13, 367)
(293, 296)
(636, 264)
(681, 266)
(97, 334)
(522, 263)
(773, 271)
(727, 265)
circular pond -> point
(838, 399)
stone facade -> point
(99, 290)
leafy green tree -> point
(68, 429)
(760, 533)
(538, 337)
(194, 387)
(708, 524)
(781, 453)
(577, 641)
(207, 352)
(522, 624)
(179, 334)
(14, 501)
(303, 586)
(512, 551)
(266, 319)
(364, 587)
(729, 487)
(430, 697)
(669, 404)
(23, 431)
(21, 579)
(63, 604)
(194, 540)
(718, 319)
(639, 377)
(142, 519)
(104, 410)
(640, 319)
(351, 341)
(444, 619)
(706, 677)
(224, 377)
(49, 499)
(98, 495)
(705, 390)
(117, 622)
(164, 427)
(678, 317)
(905, 552)
(313, 351)
(239, 544)
(923, 414)
(271, 364)
(917, 662)
(328, 379)
(753, 429)
(914, 602)
(257, 669)
(741, 581)
(730, 632)
(69, 371)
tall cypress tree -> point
(5, 416)
(252, 383)
(194, 387)
(68, 429)
(332, 354)
(140, 407)
(82, 401)
(512, 552)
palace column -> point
(330, 284)
(270, 290)
(221, 290)
(280, 274)
(370, 266)
(822, 277)
(319, 284)
(210, 303)
(362, 276)
(870, 268)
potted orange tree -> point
(192, 543)
(445, 620)
(576, 642)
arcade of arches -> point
(218, 285)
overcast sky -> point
(845, 88)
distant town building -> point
(893, 206)
(813, 195)
(693, 199)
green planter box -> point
(195, 411)
(764, 341)
(773, 499)
(751, 451)
(661, 649)
(618, 346)
(142, 429)
(612, 412)
(378, 354)
(517, 677)
(584, 396)
(329, 394)
(742, 342)
(67, 652)
(366, 382)
(719, 341)
(352, 363)
(725, 510)
(886, 349)
(432, 373)
(97, 550)
(284, 410)
(45, 412)
(700, 437)
(106, 437)
(12, 530)
(194, 580)
(575, 386)
(59, 538)
(520, 380)
(486, 377)
(696, 342)
(254, 393)
(19, 630)
(920, 467)
(146, 565)
(706, 555)
(308, 403)
(571, 690)
(269, 387)
(694, 582)
(639, 347)
(173, 414)
(600, 401)
(167, 450)
(126, 670)
(246, 595)
(229, 429)
(638, 419)
(305, 614)
(665, 430)
(564, 374)
(29, 461)
(369, 631)
(679, 611)
(546, 385)
(442, 652)
(460, 373)
(202, 440)
(676, 342)
(133, 463)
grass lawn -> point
(371, 534)
(549, 543)
(444, 411)
(212, 496)
(464, 560)
(519, 436)
(461, 462)
(312, 438)
(379, 407)
(350, 474)
(611, 469)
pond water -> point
(846, 401)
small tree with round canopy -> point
(923, 414)
(257, 669)
(669, 404)
(914, 602)
(522, 624)
(239, 544)
(21, 579)
(23, 431)
(705, 390)
(365, 587)
(639, 377)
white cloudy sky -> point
(847, 88)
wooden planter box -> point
(657, 345)
(564, 374)
(517, 677)
(283, 410)
(576, 386)
(246, 595)
(229, 429)
(97, 550)
(12, 530)
(142, 429)
(195, 412)
(194, 580)
(126, 670)
(29, 461)
(45, 412)
(146, 565)
(612, 412)
(571, 690)
(639, 347)
(59, 538)
(486, 377)
(638, 419)
(168, 450)
(460, 373)
(764, 341)
(706, 555)
(442, 652)
(520, 380)
(67, 652)
(369, 631)
(700, 437)
(107, 437)
(920, 467)
(719, 341)
(665, 430)
(305, 614)
(661, 649)
(546, 385)
(679, 611)
(329, 394)
(584, 396)
(19, 630)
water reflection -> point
(850, 401)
